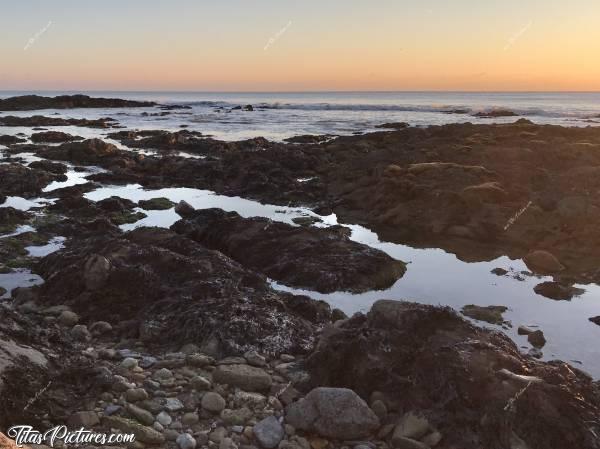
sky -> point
(309, 45)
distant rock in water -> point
(53, 137)
(493, 113)
(40, 120)
(557, 291)
(395, 125)
(33, 102)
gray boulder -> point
(269, 432)
(337, 413)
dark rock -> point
(325, 260)
(557, 291)
(53, 137)
(33, 102)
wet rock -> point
(96, 271)
(595, 320)
(493, 113)
(53, 137)
(248, 378)
(18, 180)
(39, 120)
(489, 314)
(499, 271)
(184, 209)
(81, 333)
(557, 291)
(90, 151)
(319, 411)
(536, 338)
(542, 262)
(156, 204)
(10, 140)
(296, 256)
(268, 432)
(51, 167)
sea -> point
(277, 116)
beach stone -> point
(143, 416)
(408, 443)
(213, 402)
(542, 262)
(184, 209)
(217, 435)
(147, 361)
(163, 376)
(186, 441)
(227, 443)
(164, 418)
(142, 433)
(112, 409)
(379, 408)
(255, 359)
(433, 439)
(171, 434)
(129, 363)
(237, 416)
(80, 333)
(83, 419)
(189, 419)
(319, 411)
(136, 395)
(252, 400)
(246, 377)
(537, 339)
(100, 328)
(68, 318)
(200, 383)
(269, 432)
(173, 405)
(158, 426)
(411, 426)
(199, 360)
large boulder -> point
(337, 413)
(322, 259)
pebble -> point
(200, 383)
(68, 318)
(255, 359)
(129, 363)
(189, 419)
(80, 332)
(100, 328)
(136, 395)
(198, 360)
(143, 416)
(173, 405)
(213, 402)
(164, 418)
(269, 432)
(186, 441)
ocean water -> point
(277, 116)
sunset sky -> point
(279, 45)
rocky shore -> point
(177, 335)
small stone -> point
(269, 432)
(173, 405)
(213, 402)
(433, 439)
(199, 360)
(80, 333)
(255, 359)
(236, 417)
(200, 383)
(171, 434)
(100, 328)
(164, 418)
(189, 419)
(217, 435)
(143, 416)
(252, 400)
(147, 362)
(246, 377)
(186, 441)
(129, 363)
(408, 443)
(380, 409)
(286, 358)
(411, 426)
(83, 419)
(142, 433)
(227, 443)
(112, 409)
(136, 394)
(68, 318)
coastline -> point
(114, 300)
